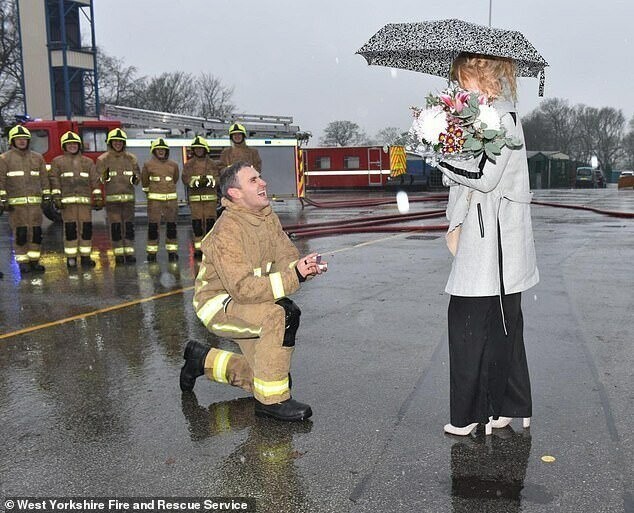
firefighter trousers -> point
(77, 221)
(26, 224)
(121, 222)
(203, 219)
(264, 364)
(167, 211)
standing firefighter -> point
(200, 175)
(239, 151)
(23, 185)
(159, 177)
(119, 171)
(75, 188)
(249, 267)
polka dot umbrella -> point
(431, 46)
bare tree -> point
(601, 134)
(343, 133)
(391, 136)
(169, 92)
(215, 97)
(11, 94)
(118, 84)
(553, 126)
(628, 146)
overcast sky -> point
(298, 58)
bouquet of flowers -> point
(459, 124)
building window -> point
(322, 163)
(351, 162)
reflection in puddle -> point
(491, 472)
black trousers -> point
(488, 369)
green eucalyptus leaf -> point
(489, 134)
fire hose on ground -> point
(375, 224)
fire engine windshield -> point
(39, 141)
(94, 139)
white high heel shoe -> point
(502, 422)
(464, 431)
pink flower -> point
(462, 98)
(447, 100)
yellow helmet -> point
(157, 144)
(19, 131)
(199, 142)
(237, 128)
(70, 137)
(116, 134)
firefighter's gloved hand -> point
(47, 201)
(97, 202)
(4, 204)
(210, 181)
(106, 176)
(134, 179)
(193, 182)
(57, 201)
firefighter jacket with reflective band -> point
(75, 177)
(159, 178)
(201, 169)
(23, 177)
(241, 152)
(246, 256)
(115, 169)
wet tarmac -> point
(89, 364)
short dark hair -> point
(229, 177)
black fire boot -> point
(71, 262)
(119, 259)
(36, 267)
(151, 257)
(24, 268)
(130, 259)
(86, 261)
(172, 257)
(194, 367)
(289, 410)
(198, 254)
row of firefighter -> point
(76, 185)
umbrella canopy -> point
(431, 46)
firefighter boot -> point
(36, 267)
(151, 257)
(198, 254)
(119, 259)
(130, 259)
(71, 262)
(194, 367)
(86, 261)
(289, 410)
(24, 268)
(172, 257)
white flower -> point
(430, 124)
(489, 116)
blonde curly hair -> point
(485, 73)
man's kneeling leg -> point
(292, 313)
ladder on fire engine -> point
(256, 125)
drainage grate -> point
(423, 237)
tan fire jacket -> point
(247, 257)
(159, 178)
(201, 169)
(116, 168)
(75, 178)
(238, 152)
(23, 177)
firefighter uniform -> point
(239, 151)
(200, 175)
(74, 185)
(119, 172)
(159, 178)
(248, 264)
(23, 183)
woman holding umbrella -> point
(489, 207)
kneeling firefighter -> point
(200, 175)
(119, 172)
(24, 184)
(159, 177)
(75, 187)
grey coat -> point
(486, 196)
